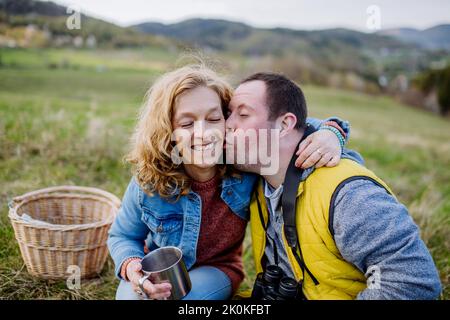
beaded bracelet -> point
(337, 126)
(337, 133)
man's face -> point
(248, 108)
(248, 121)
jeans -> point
(208, 283)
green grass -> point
(66, 117)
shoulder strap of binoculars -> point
(288, 206)
(288, 203)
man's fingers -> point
(324, 160)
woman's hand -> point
(154, 291)
(319, 149)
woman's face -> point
(199, 127)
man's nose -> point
(229, 123)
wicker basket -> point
(74, 232)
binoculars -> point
(273, 284)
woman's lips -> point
(204, 147)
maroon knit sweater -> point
(221, 232)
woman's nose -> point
(201, 129)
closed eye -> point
(186, 125)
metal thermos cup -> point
(166, 264)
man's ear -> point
(286, 123)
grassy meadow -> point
(66, 117)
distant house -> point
(399, 84)
(30, 32)
(91, 42)
(78, 41)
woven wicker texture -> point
(74, 231)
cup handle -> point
(141, 284)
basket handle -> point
(66, 189)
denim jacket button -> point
(229, 192)
(160, 228)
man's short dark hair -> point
(283, 96)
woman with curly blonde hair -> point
(181, 193)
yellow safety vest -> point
(338, 279)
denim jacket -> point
(164, 222)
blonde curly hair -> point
(151, 142)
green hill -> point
(228, 35)
(435, 38)
(320, 55)
(47, 21)
(339, 58)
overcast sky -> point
(297, 14)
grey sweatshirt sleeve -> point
(375, 232)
